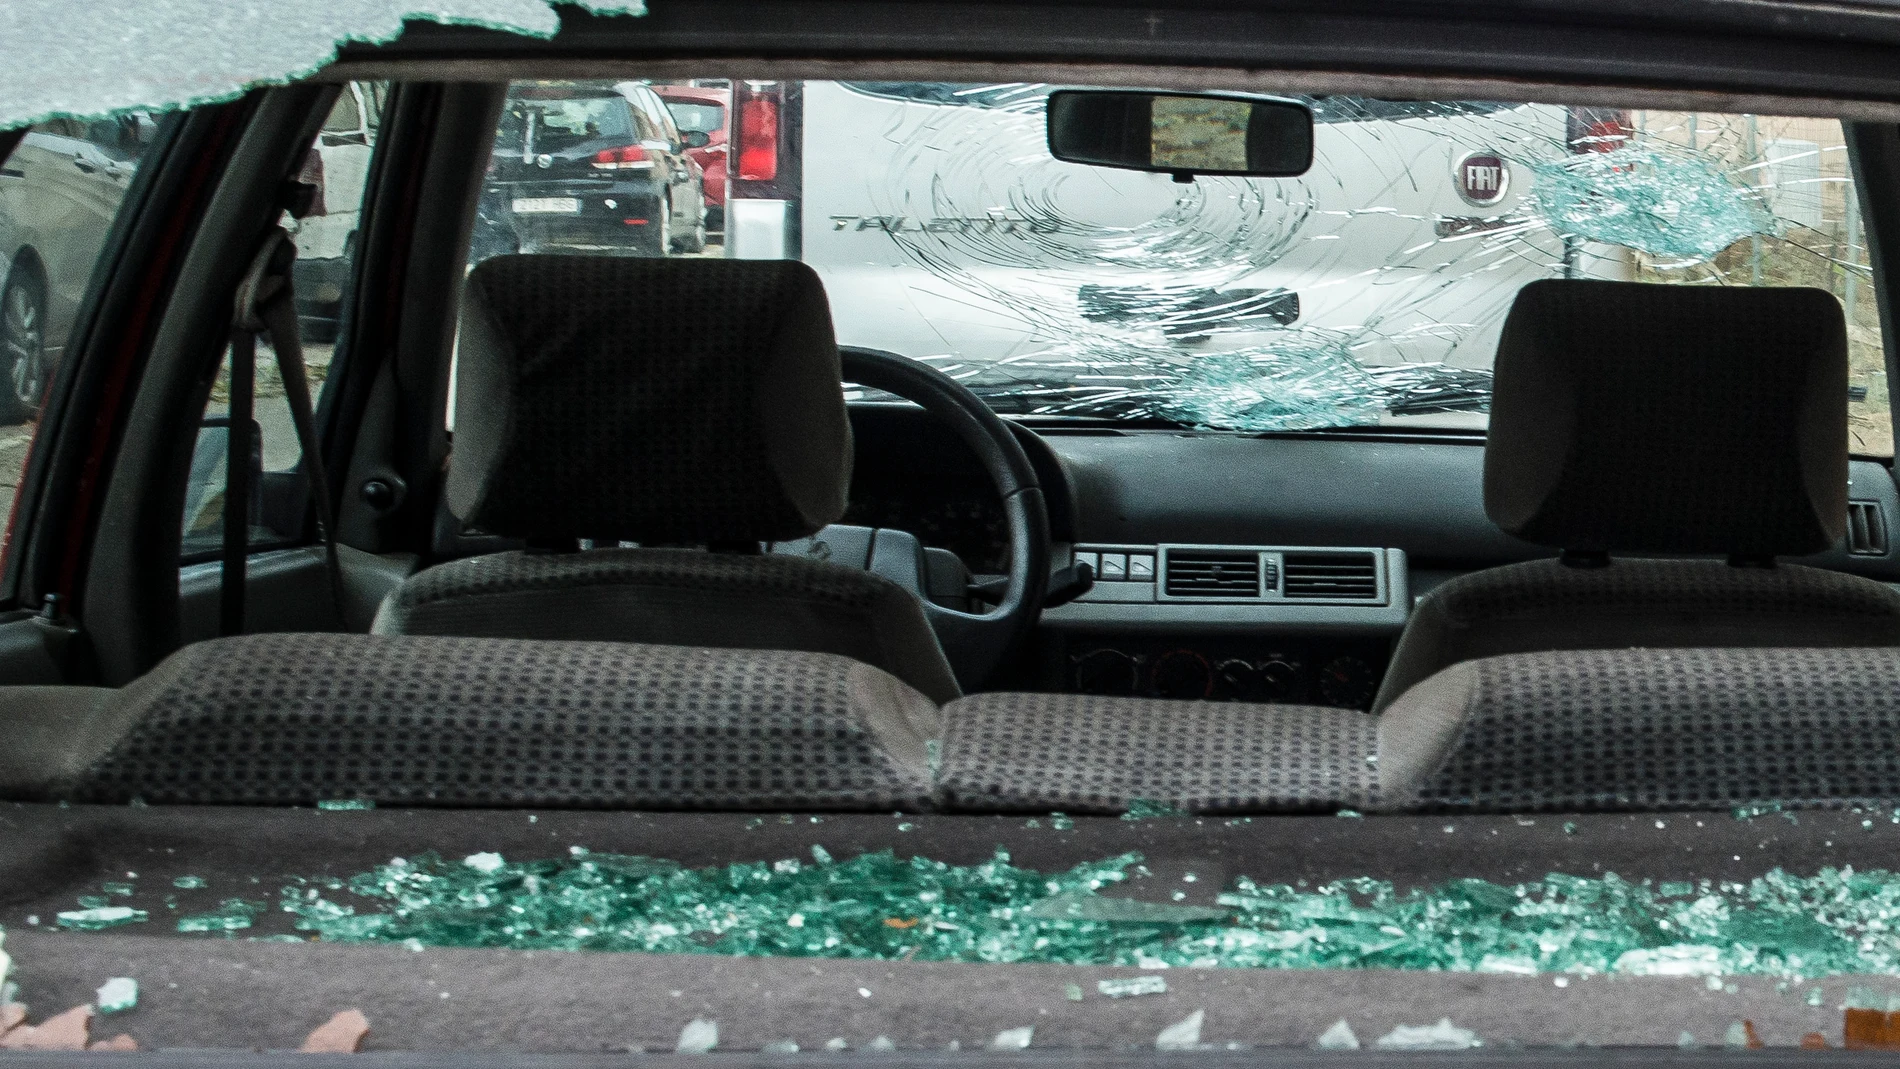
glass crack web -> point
(880, 906)
(1360, 291)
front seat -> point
(1700, 421)
(689, 404)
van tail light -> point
(312, 175)
(758, 139)
(628, 158)
(1598, 129)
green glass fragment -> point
(115, 888)
(1128, 987)
(233, 914)
(1149, 809)
(1081, 906)
(94, 918)
(117, 995)
(188, 883)
(344, 805)
(880, 906)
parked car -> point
(338, 166)
(59, 192)
(591, 167)
(702, 112)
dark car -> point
(673, 662)
(702, 111)
(591, 167)
(58, 194)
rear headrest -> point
(657, 401)
(1670, 419)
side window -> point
(60, 191)
(338, 164)
(643, 126)
(656, 110)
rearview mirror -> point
(1183, 134)
(696, 138)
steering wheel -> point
(975, 643)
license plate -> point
(547, 205)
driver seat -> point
(691, 406)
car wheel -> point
(662, 230)
(694, 241)
(22, 347)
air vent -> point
(1341, 576)
(1866, 529)
(1213, 574)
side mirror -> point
(696, 138)
(1183, 134)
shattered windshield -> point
(1368, 292)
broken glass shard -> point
(1441, 1036)
(1134, 985)
(1339, 1037)
(116, 994)
(96, 918)
(232, 915)
(345, 805)
(699, 1036)
(1013, 1038)
(1082, 906)
(1184, 1034)
(86, 60)
(1149, 809)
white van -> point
(1371, 289)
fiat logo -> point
(1482, 179)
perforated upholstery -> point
(672, 401)
(1091, 754)
(1545, 605)
(1592, 449)
(678, 596)
(692, 402)
(294, 718)
(1649, 729)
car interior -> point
(581, 561)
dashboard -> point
(1270, 568)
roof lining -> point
(1313, 82)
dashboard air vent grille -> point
(1353, 576)
(1213, 574)
(1866, 529)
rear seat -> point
(412, 720)
(1566, 731)
(291, 719)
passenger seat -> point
(1683, 422)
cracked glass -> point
(1368, 292)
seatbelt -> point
(266, 304)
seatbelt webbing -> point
(267, 304)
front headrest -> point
(1670, 419)
(656, 401)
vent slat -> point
(1866, 529)
(1341, 576)
(1213, 575)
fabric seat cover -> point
(293, 719)
(670, 403)
(1661, 421)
